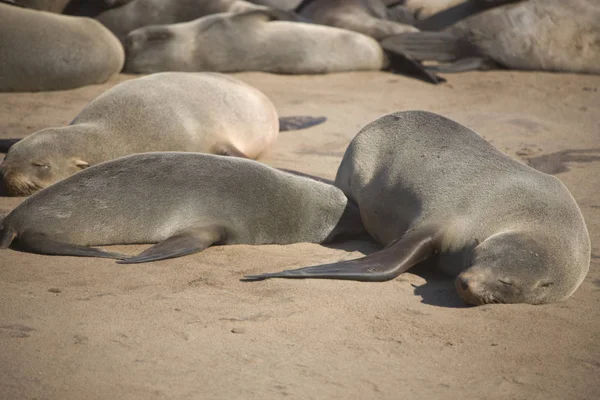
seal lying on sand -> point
(255, 40)
(184, 202)
(547, 35)
(425, 184)
(46, 51)
(205, 112)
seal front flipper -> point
(188, 241)
(42, 244)
(298, 122)
(383, 265)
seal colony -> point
(184, 202)
(204, 112)
(426, 185)
(46, 51)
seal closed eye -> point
(426, 185)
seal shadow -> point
(438, 289)
(556, 163)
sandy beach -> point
(188, 328)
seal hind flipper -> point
(383, 265)
(188, 241)
(42, 244)
(298, 122)
(6, 144)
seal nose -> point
(463, 283)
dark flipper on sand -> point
(6, 144)
(191, 240)
(41, 244)
(299, 122)
(402, 64)
(381, 266)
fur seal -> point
(46, 51)
(257, 40)
(204, 112)
(250, 41)
(364, 16)
(546, 35)
(140, 13)
(427, 185)
(184, 202)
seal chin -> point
(20, 185)
(472, 290)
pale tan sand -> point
(81, 328)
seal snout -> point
(471, 287)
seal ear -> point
(80, 163)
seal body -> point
(547, 35)
(250, 41)
(185, 202)
(365, 16)
(208, 113)
(426, 185)
(45, 51)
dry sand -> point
(78, 328)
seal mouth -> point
(19, 185)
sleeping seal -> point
(425, 184)
(184, 202)
(364, 16)
(546, 35)
(45, 51)
(250, 41)
(205, 112)
(259, 40)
